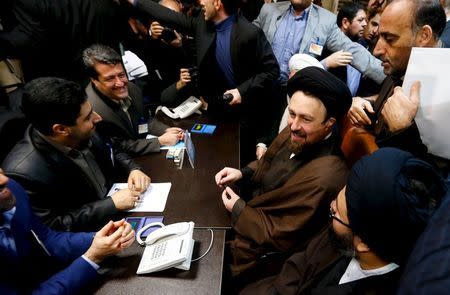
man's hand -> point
(260, 151)
(171, 136)
(236, 96)
(177, 42)
(357, 115)
(110, 240)
(399, 110)
(185, 78)
(125, 199)
(156, 30)
(229, 198)
(338, 59)
(227, 175)
(138, 181)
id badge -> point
(143, 128)
(316, 48)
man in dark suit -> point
(65, 167)
(233, 57)
(376, 219)
(120, 105)
(35, 259)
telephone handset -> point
(185, 109)
(169, 246)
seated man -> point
(32, 255)
(290, 187)
(66, 169)
(376, 219)
(119, 103)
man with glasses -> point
(376, 219)
(120, 104)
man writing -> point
(65, 167)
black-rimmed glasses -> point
(332, 215)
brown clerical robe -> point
(291, 199)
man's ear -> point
(60, 130)
(345, 24)
(330, 122)
(360, 246)
(424, 36)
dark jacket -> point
(50, 35)
(60, 192)
(116, 125)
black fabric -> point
(333, 93)
(60, 192)
(50, 35)
(383, 208)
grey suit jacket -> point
(321, 27)
(118, 129)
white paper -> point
(152, 200)
(430, 66)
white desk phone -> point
(169, 246)
(185, 109)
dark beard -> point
(295, 147)
(343, 243)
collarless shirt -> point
(355, 272)
(223, 51)
(287, 39)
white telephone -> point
(185, 109)
(169, 246)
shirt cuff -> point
(92, 263)
(322, 61)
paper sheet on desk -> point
(430, 66)
(153, 200)
(179, 145)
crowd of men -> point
(303, 221)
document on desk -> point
(430, 66)
(179, 145)
(152, 200)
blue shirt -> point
(287, 39)
(353, 78)
(223, 52)
(6, 239)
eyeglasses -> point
(332, 215)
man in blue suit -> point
(35, 259)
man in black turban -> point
(376, 218)
(285, 194)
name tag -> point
(143, 128)
(316, 48)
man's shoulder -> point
(325, 17)
(275, 7)
(25, 161)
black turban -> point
(333, 93)
(390, 196)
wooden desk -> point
(194, 194)
(204, 277)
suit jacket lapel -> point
(209, 35)
(311, 24)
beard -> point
(295, 147)
(344, 243)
